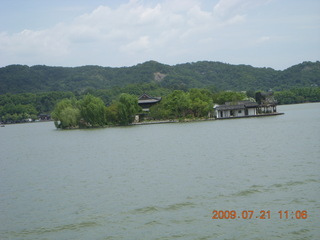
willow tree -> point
(127, 107)
(201, 102)
(66, 114)
(229, 96)
(93, 111)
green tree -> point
(93, 110)
(159, 111)
(285, 97)
(127, 108)
(228, 96)
(112, 116)
(201, 102)
(179, 103)
(70, 117)
(66, 113)
(176, 105)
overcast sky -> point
(261, 33)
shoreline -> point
(14, 123)
(172, 121)
(160, 121)
(201, 120)
(252, 116)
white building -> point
(236, 109)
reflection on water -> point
(162, 181)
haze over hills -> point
(222, 76)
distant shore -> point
(163, 121)
(171, 121)
(252, 116)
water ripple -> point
(172, 207)
(144, 210)
(45, 230)
(245, 193)
(177, 206)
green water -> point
(163, 181)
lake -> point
(164, 181)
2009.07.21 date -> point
(251, 214)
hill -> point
(222, 76)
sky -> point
(116, 33)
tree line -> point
(90, 111)
(175, 103)
(36, 79)
(195, 103)
(22, 107)
(298, 95)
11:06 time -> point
(294, 214)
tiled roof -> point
(144, 98)
(154, 100)
(237, 105)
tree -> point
(127, 108)
(112, 113)
(201, 102)
(93, 110)
(66, 113)
(176, 105)
(179, 103)
(158, 111)
(70, 117)
(229, 96)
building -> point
(267, 102)
(236, 109)
(265, 105)
(44, 117)
(145, 101)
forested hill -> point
(222, 76)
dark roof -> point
(229, 107)
(249, 104)
(145, 98)
(237, 105)
(149, 100)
